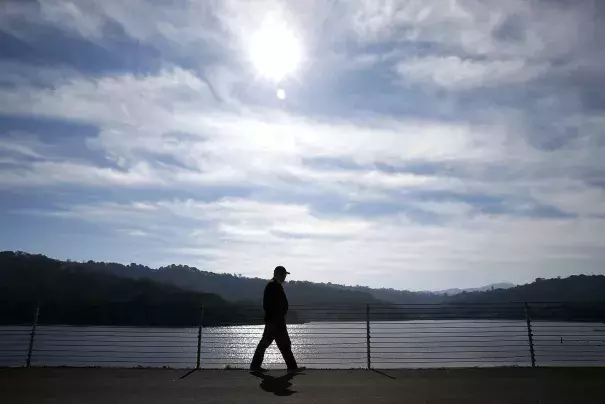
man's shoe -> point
(257, 370)
(297, 369)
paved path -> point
(115, 386)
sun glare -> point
(275, 50)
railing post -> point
(530, 336)
(199, 338)
(368, 354)
(32, 335)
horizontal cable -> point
(539, 324)
(563, 353)
(473, 349)
(328, 361)
(576, 360)
(113, 327)
(66, 351)
(249, 354)
(86, 330)
(509, 304)
(433, 357)
(537, 339)
(114, 341)
(278, 359)
(36, 361)
(321, 326)
(420, 326)
(452, 320)
(295, 348)
(447, 321)
(429, 327)
(295, 333)
(290, 331)
(106, 345)
(435, 361)
(453, 362)
(373, 324)
(442, 351)
(120, 357)
(448, 309)
(327, 343)
(357, 363)
(567, 346)
(48, 341)
(230, 337)
(309, 311)
(379, 342)
(570, 332)
(383, 344)
(447, 306)
(587, 335)
(76, 336)
(313, 353)
(454, 333)
(299, 346)
(448, 315)
(438, 338)
(92, 335)
(124, 333)
(331, 308)
(278, 356)
(20, 330)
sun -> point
(275, 50)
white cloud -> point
(252, 236)
(47, 173)
(513, 28)
(140, 119)
(21, 145)
(137, 115)
(454, 73)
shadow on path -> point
(188, 373)
(280, 386)
(384, 374)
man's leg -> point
(285, 346)
(265, 341)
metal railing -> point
(354, 336)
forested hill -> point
(249, 290)
(71, 295)
(234, 288)
(576, 288)
(229, 287)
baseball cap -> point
(280, 269)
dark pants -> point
(279, 333)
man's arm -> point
(270, 299)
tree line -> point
(110, 293)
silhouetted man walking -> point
(275, 304)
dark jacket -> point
(275, 303)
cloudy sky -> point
(407, 144)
